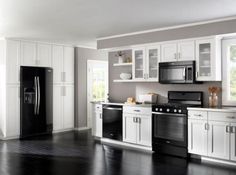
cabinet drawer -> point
(199, 115)
(222, 116)
(98, 107)
(137, 110)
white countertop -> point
(123, 104)
(218, 109)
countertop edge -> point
(213, 109)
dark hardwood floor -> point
(76, 153)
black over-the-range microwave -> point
(182, 72)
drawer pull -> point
(231, 117)
(137, 110)
(197, 115)
(228, 129)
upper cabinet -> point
(68, 76)
(145, 63)
(178, 51)
(208, 59)
(57, 63)
(36, 54)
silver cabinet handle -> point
(196, 74)
(231, 117)
(110, 108)
(100, 116)
(39, 99)
(134, 119)
(198, 115)
(232, 129)
(206, 126)
(227, 129)
(36, 95)
(139, 120)
(136, 110)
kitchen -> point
(100, 88)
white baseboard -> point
(127, 145)
(62, 130)
(82, 128)
(10, 138)
(219, 161)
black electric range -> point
(169, 122)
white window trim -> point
(225, 83)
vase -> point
(120, 59)
(213, 100)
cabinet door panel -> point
(13, 61)
(68, 110)
(57, 64)
(152, 60)
(186, 51)
(197, 137)
(28, 54)
(13, 111)
(169, 52)
(69, 65)
(129, 129)
(218, 140)
(139, 72)
(233, 142)
(57, 107)
(144, 131)
(44, 55)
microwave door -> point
(173, 75)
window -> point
(229, 72)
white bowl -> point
(125, 76)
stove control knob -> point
(167, 110)
(156, 109)
(180, 111)
(175, 110)
(160, 109)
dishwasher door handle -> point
(110, 108)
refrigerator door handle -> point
(38, 95)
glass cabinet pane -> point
(139, 63)
(153, 63)
(205, 59)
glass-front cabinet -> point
(208, 63)
(145, 64)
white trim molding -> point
(168, 28)
(82, 128)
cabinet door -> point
(186, 51)
(44, 55)
(197, 137)
(218, 140)
(13, 111)
(144, 136)
(68, 109)
(233, 142)
(139, 72)
(169, 52)
(28, 54)
(57, 64)
(152, 60)
(129, 128)
(204, 60)
(68, 65)
(98, 124)
(57, 107)
(13, 61)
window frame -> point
(225, 81)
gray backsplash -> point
(119, 92)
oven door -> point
(169, 129)
(172, 74)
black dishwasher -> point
(112, 122)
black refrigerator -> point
(36, 108)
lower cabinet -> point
(137, 129)
(197, 136)
(63, 107)
(233, 142)
(97, 120)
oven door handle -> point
(162, 113)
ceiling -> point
(80, 22)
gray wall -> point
(172, 34)
(81, 57)
(119, 92)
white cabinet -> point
(68, 76)
(97, 120)
(208, 59)
(57, 107)
(145, 63)
(13, 61)
(218, 140)
(178, 51)
(28, 53)
(197, 136)
(44, 55)
(68, 107)
(13, 111)
(233, 142)
(137, 127)
(57, 64)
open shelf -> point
(122, 64)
